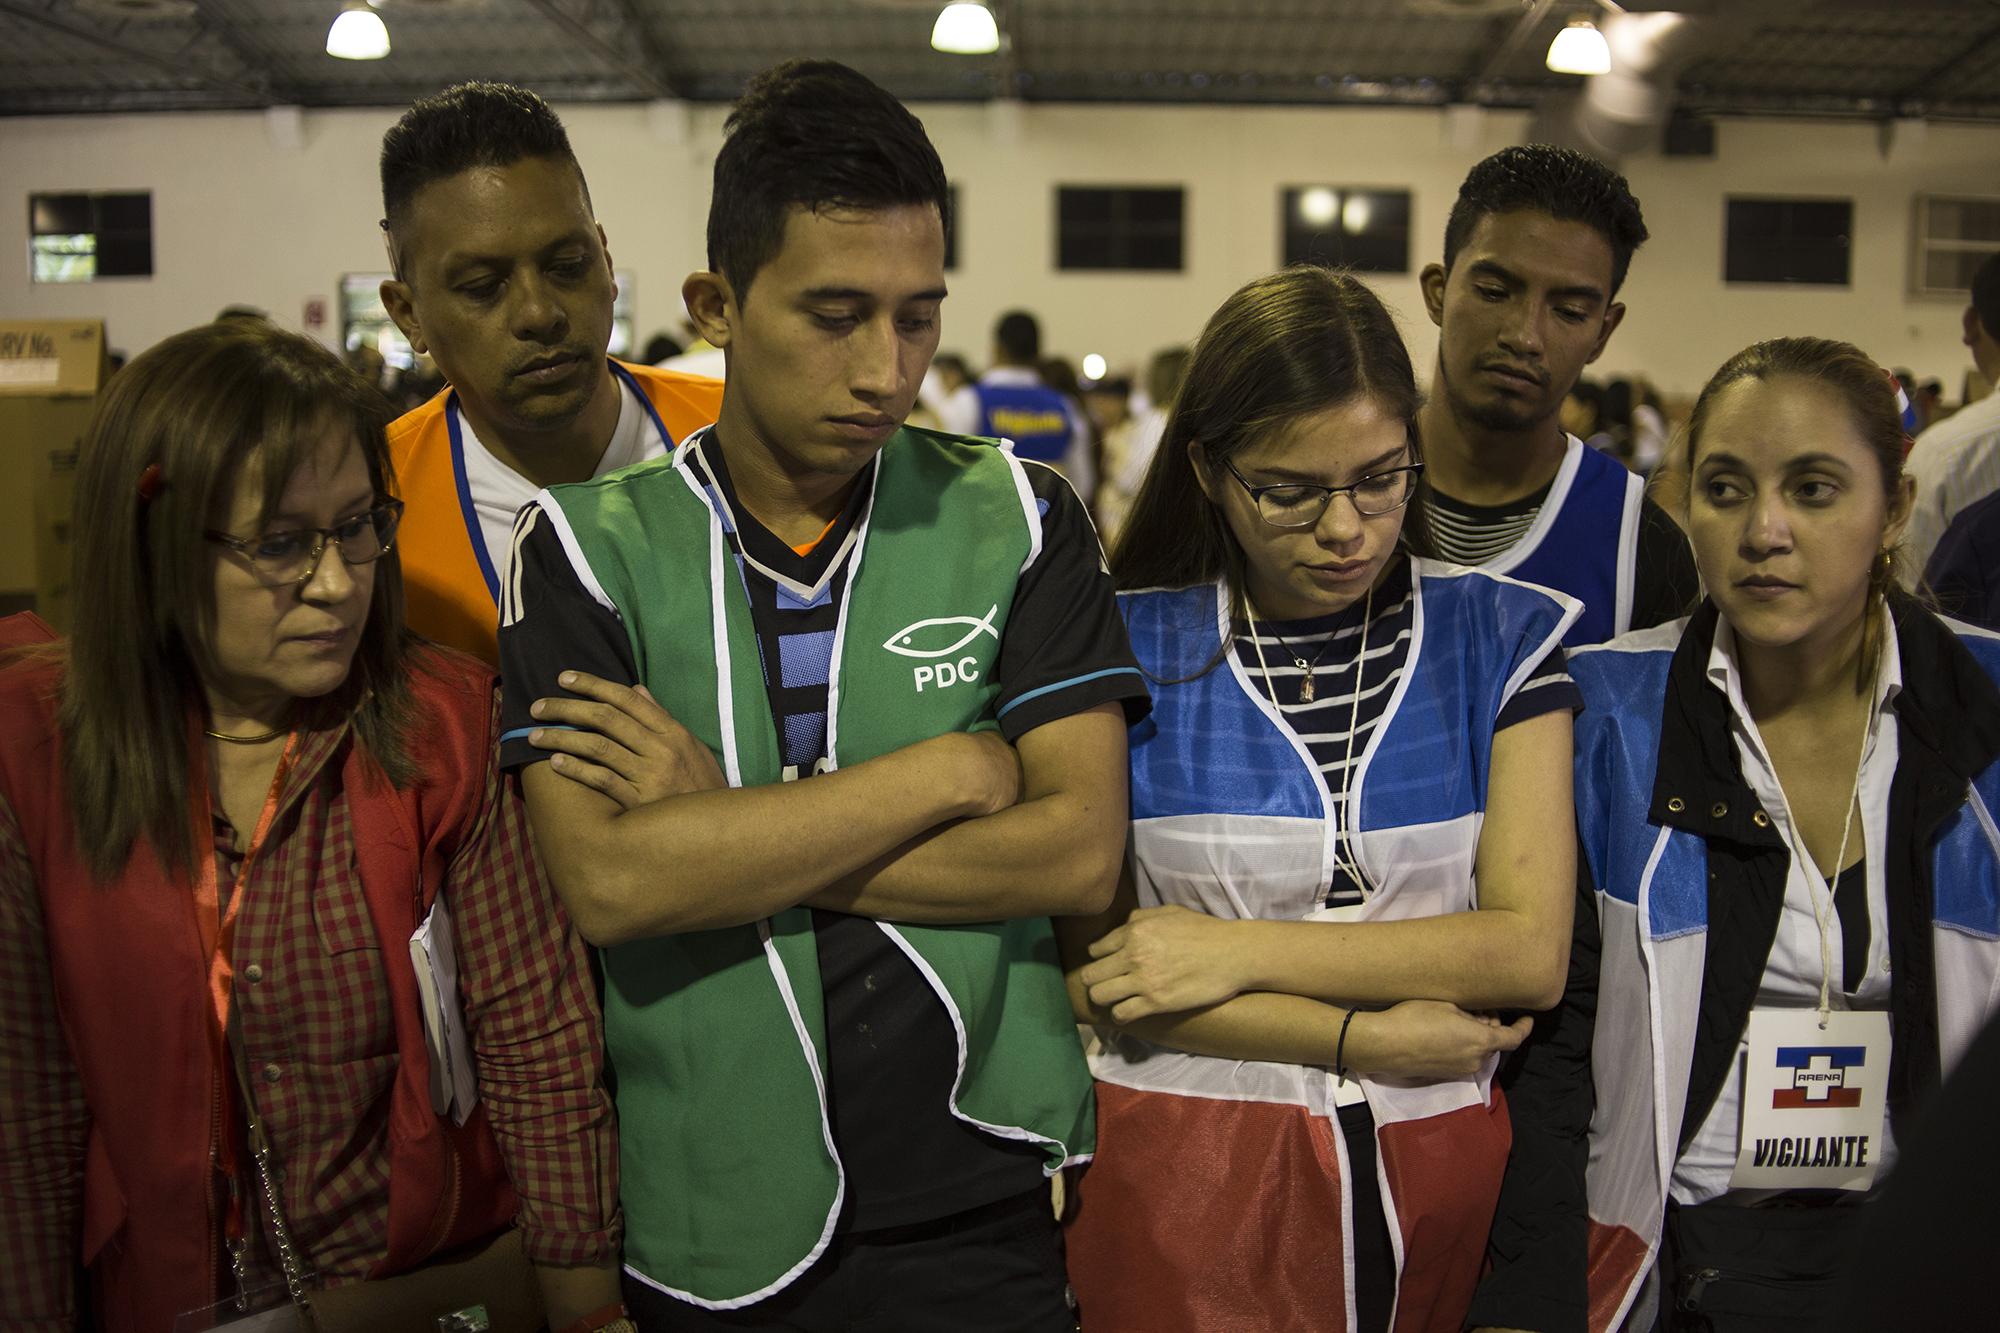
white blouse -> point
(1792, 972)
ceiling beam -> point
(1509, 46)
(247, 51)
(649, 73)
(635, 30)
(1970, 54)
(176, 68)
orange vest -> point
(449, 594)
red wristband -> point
(596, 1319)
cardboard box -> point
(50, 372)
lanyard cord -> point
(1823, 918)
(1351, 864)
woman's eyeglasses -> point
(1298, 505)
(293, 555)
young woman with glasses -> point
(227, 803)
(1352, 846)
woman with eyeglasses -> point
(1351, 848)
(229, 1079)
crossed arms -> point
(643, 837)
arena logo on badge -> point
(1822, 1077)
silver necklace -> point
(1350, 864)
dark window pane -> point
(120, 256)
(124, 212)
(1155, 252)
(1116, 228)
(59, 214)
(1157, 206)
(1084, 207)
(1376, 253)
(1788, 240)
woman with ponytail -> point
(1787, 812)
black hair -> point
(465, 126)
(1986, 294)
(1565, 184)
(812, 134)
(1019, 338)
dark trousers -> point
(994, 1269)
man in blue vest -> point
(1535, 250)
(1010, 401)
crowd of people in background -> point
(631, 844)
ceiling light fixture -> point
(1580, 49)
(965, 28)
(358, 33)
(1093, 367)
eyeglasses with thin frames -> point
(292, 556)
(1295, 504)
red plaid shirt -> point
(318, 1033)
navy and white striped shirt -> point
(1331, 645)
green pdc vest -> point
(717, 1039)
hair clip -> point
(150, 483)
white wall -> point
(240, 218)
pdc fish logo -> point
(939, 638)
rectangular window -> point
(1806, 241)
(1120, 227)
(1954, 236)
(1365, 230)
(82, 237)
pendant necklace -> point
(1307, 688)
(1350, 863)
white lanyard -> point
(1823, 916)
(1350, 864)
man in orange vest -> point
(504, 277)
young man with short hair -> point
(503, 276)
(1535, 251)
(844, 1060)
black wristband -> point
(1340, 1046)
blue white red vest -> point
(1652, 895)
(1033, 416)
(1231, 816)
(1585, 542)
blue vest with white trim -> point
(1617, 757)
(1033, 416)
(1590, 547)
(1652, 885)
(1213, 746)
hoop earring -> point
(1883, 575)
